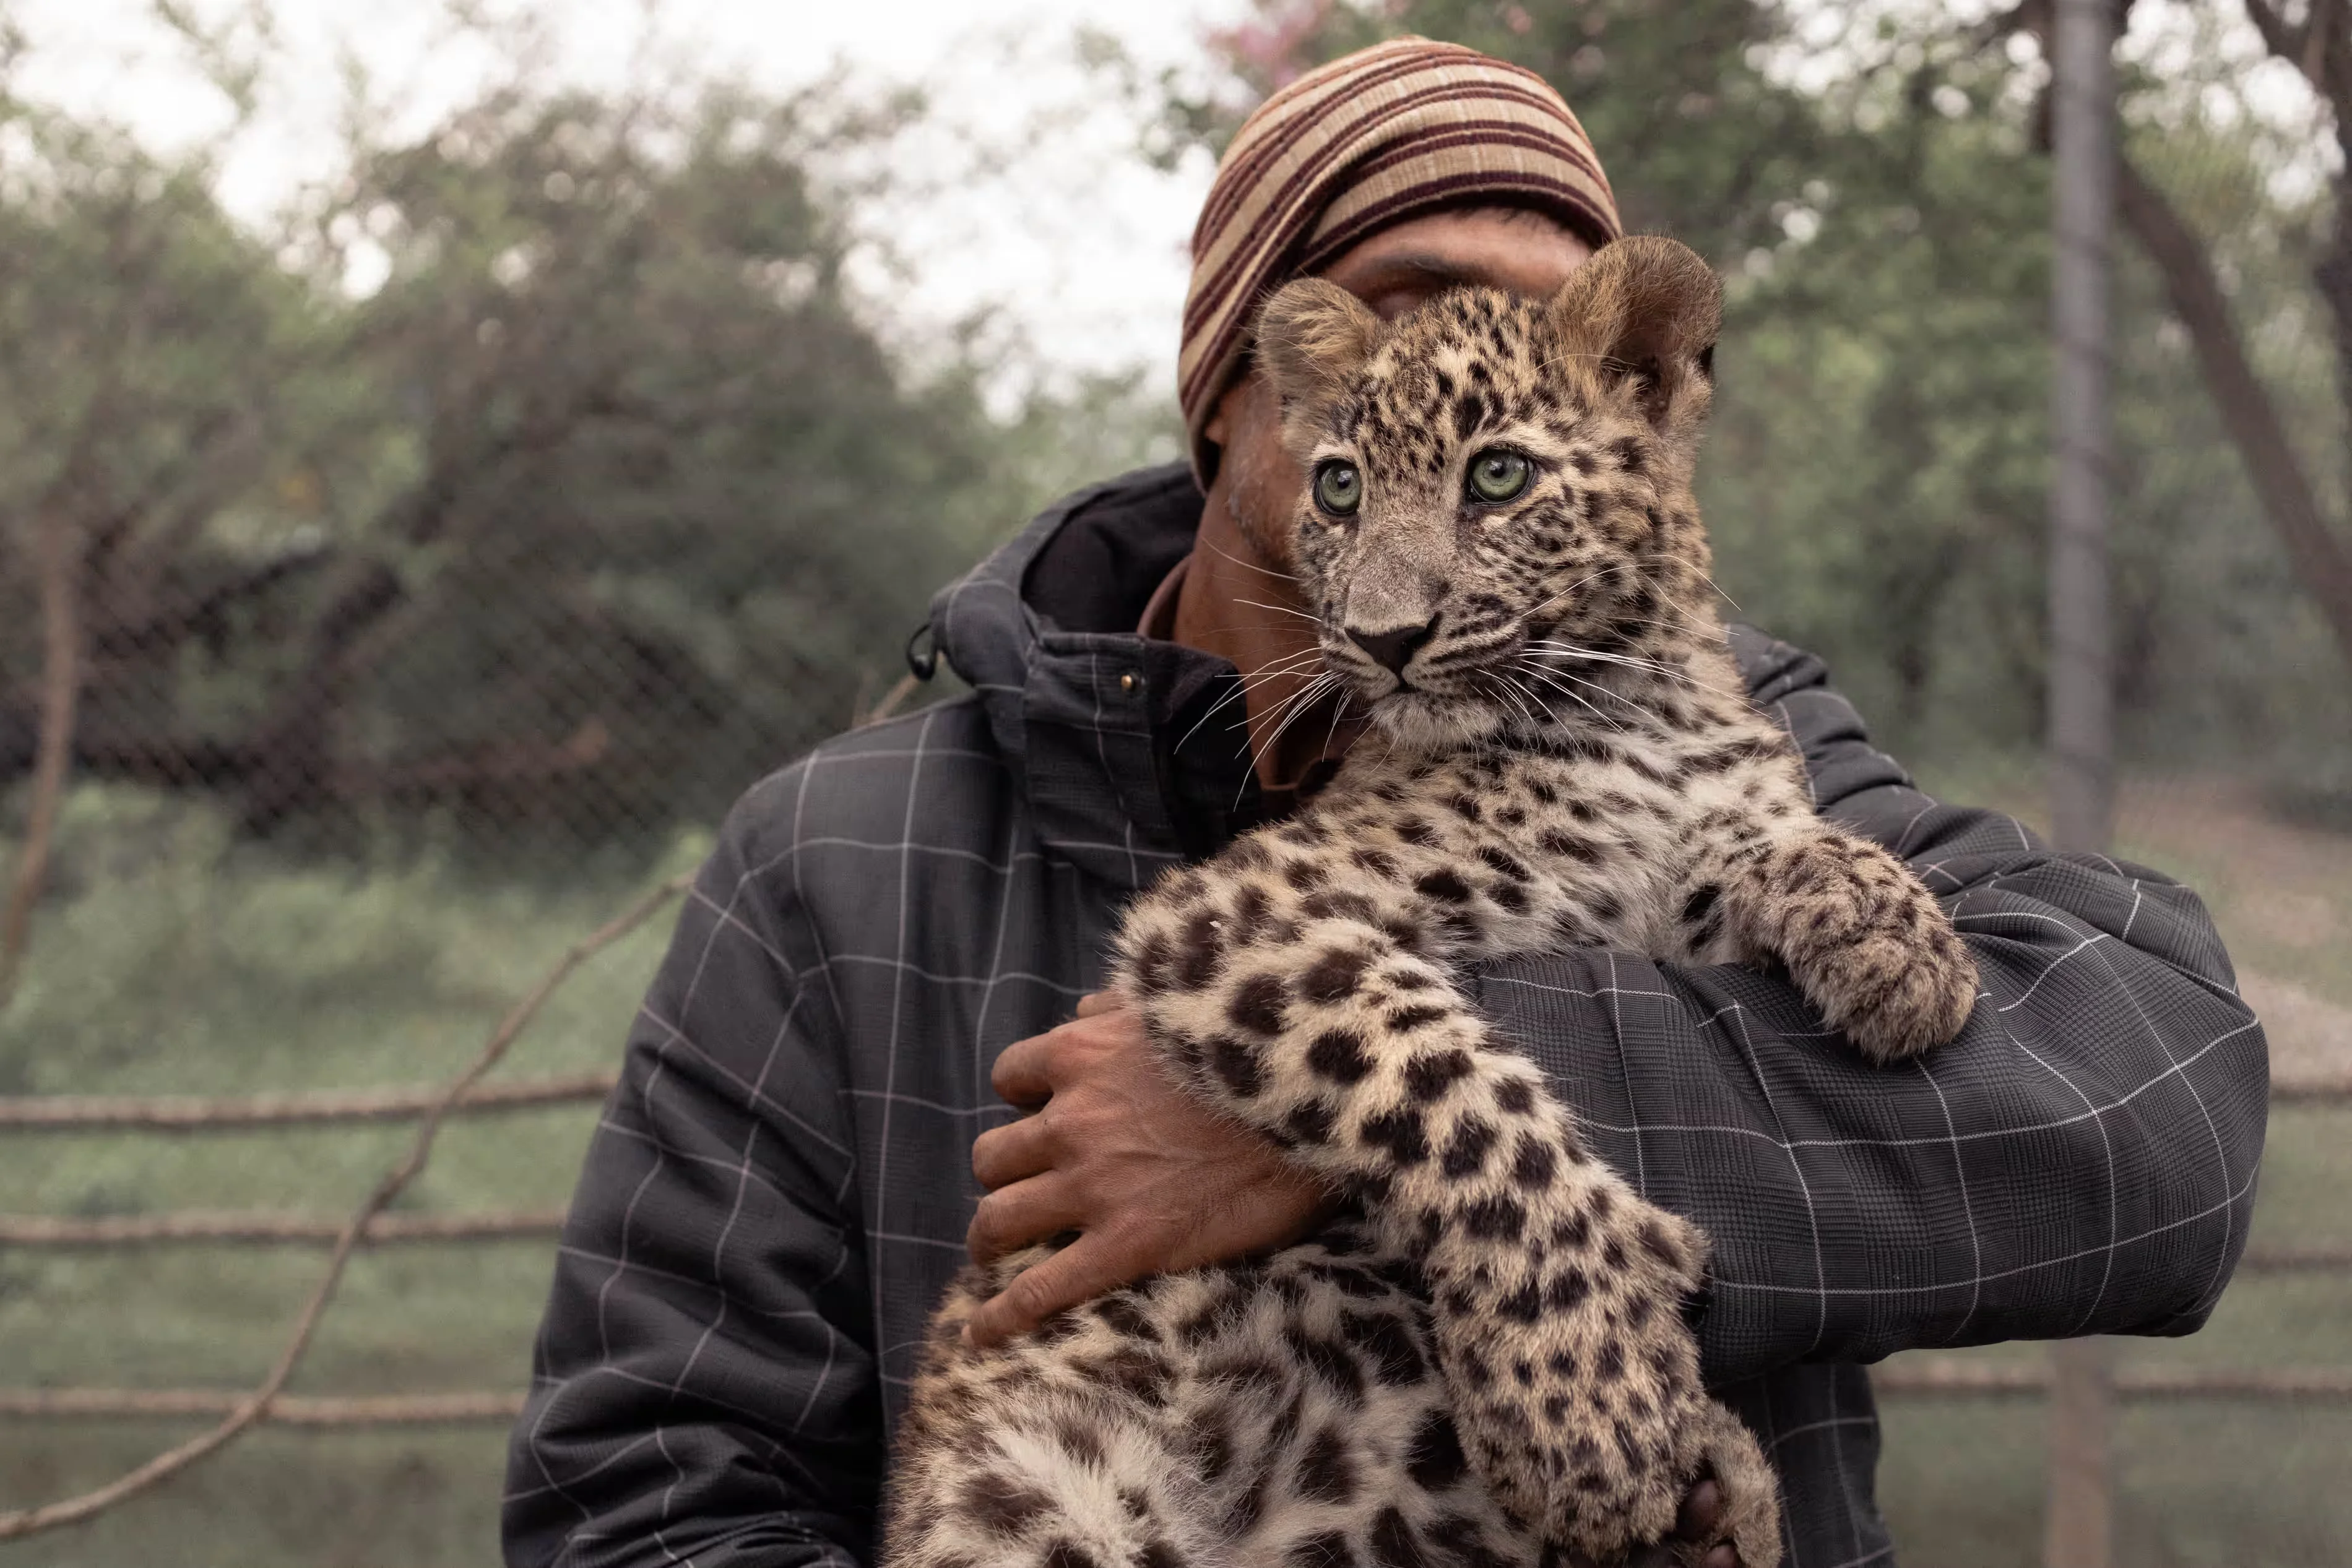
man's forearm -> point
(2080, 1160)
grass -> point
(172, 961)
(2279, 883)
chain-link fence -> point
(388, 598)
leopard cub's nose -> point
(1394, 648)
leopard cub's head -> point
(1497, 504)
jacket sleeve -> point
(704, 1385)
(2080, 1161)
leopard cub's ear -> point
(1644, 311)
(1313, 337)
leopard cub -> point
(1486, 1360)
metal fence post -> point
(2078, 1529)
(2081, 714)
(2080, 737)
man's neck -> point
(1234, 603)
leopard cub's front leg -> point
(1861, 937)
(1555, 1289)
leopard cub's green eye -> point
(1498, 475)
(1339, 487)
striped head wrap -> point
(1373, 137)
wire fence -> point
(265, 1227)
(542, 564)
(153, 1113)
(239, 1414)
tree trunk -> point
(2320, 46)
(57, 547)
(2078, 1531)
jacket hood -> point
(1127, 760)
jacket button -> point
(1127, 683)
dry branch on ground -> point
(252, 1408)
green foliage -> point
(539, 475)
(150, 356)
(665, 488)
(227, 964)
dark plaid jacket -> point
(780, 1185)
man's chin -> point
(1421, 721)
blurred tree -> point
(152, 354)
(653, 492)
(2319, 44)
(540, 470)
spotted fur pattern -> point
(1487, 1360)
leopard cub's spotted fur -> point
(1487, 1359)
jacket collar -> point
(1132, 751)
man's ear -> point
(1644, 311)
(1312, 338)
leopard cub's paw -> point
(1897, 997)
(1748, 1519)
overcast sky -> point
(1079, 241)
(1076, 239)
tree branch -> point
(164, 629)
(2317, 35)
(510, 764)
(2322, 560)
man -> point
(895, 931)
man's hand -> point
(1151, 1181)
